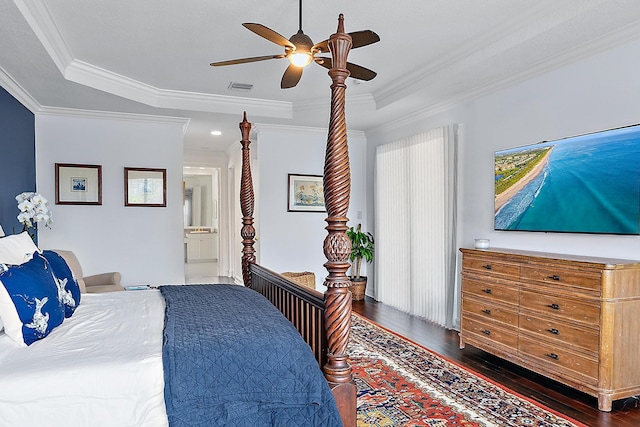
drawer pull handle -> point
(488, 266)
(554, 331)
(552, 355)
(486, 332)
(554, 277)
(486, 291)
(487, 312)
(554, 306)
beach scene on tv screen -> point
(582, 184)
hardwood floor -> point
(558, 397)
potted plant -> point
(361, 248)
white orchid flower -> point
(33, 209)
(26, 206)
(23, 196)
(25, 219)
(38, 199)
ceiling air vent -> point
(240, 86)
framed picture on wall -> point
(145, 187)
(306, 193)
(78, 184)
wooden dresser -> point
(571, 318)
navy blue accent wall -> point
(17, 158)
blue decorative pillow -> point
(68, 288)
(29, 304)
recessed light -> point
(216, 133)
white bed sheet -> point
(101, 367)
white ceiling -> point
(152, 57)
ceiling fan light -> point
(300, 59)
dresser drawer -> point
(484, 266)
(490, 290)
(591, 280)
(488, 331)
(561, 360)
(490, 310)
(577, 310)
(561, 332)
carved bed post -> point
(337, 246)
(246, 204)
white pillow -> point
(17, 249)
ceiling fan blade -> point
(291, 77)
(358, 39)
(363, 38)
(357, 71)
(245, 60)
(268, 34)
(361, 73)
(322, 47)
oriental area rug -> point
(403, 384)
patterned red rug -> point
(403, 384)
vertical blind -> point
(415, 189)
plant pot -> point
(357, 288)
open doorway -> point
(201, 208)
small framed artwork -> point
(145, 187)
(306, 193)
(78, 184)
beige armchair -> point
(105, 282)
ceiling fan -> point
(301, 51)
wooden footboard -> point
(304, 307)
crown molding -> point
(537, 23)
(108, 115)
(622, 35)
(308, 130)
(40, 19)
(18, 92)
(41, 22)
(495, 42)
(224, 104)
(13, 88)
(43, 25)
(98, 78)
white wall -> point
(145, 244)
(596, 93)
(293, 241)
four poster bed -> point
(225, 355)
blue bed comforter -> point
(231, 359)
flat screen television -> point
(581, 184)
